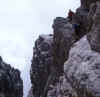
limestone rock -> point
(80, 75)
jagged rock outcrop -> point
(82, 14)
(82, 70)
(11, 84)
(80, 75)
(40, 67)
(50, 52)
(64, 37)
(94, 28)
(62, 89)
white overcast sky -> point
(21, 21)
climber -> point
(70, 15)
(77, 29)
(76, 26)
(74, 19)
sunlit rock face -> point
(11, 84)
(81, 76)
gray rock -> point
(62, 89)
(11, 84)
(82, 70)
(47, 48)
(82, 14)
(40, 67)
(94, 27)
(64, 37)
(50, 53)
(79, 77)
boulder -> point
(64, 37)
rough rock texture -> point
(40, 68)
(64, 37)
(80, 75)
(62, 89)
(11, 84)
(86, 3)
(94, 29)
(50, 53)
(82, 70)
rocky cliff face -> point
(41, 62)
(66, 64)
(82, 70)
(94, 29)
(11, 84)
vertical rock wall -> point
(40, 67)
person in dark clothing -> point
(77, 30)
(74, 19)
